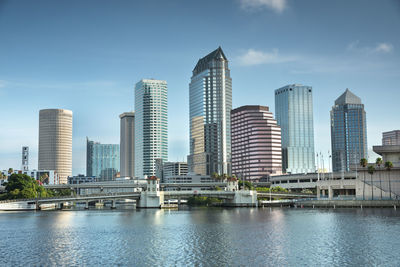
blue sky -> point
(87, 55)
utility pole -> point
(317, 167)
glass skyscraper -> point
(210, 104)
(151, 126)
(102, 160)
(294, 114)
(348, 132)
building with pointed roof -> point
(348, 98)
(348, 132)
(210, 104)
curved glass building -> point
(294, 114)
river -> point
(201, 237)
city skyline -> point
(82, 78)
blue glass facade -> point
(348, 132)
(151, 125)
(210, 104)
(294, 114)
(102, 160)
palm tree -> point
(389, 166)
(379, 163)
(363, 163)
(371, 170)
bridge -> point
(285, 195)
(130, 186)
(89, 198)
(150, 195)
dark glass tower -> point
(348, 132)
(210, 96)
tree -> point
(389, 166)
(371, 170)
(10, 170)
(215, 175)
(21, 186)
(363, 163)
(379, 163)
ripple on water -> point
(201, 237)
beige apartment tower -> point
(55, 142)
(127, 144)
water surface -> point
(202, 237)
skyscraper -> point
(151, 126)
(256, 143)
(348, 132)
(102, 160)
(127, 144)
(55, 142)
(210, 104)
(294, 114)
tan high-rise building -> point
(127, 144)
(55, 142)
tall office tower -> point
(391, 138)
(294, 114)
(210, 104)
(102, 160)
(151, 126)
(55, 142)
(256, 143)
(25, 158)
(348, 132)
(127, 144)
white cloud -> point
(276, 5)
(2, 83)
(382, 48)
(255, 57)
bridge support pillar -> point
(247, 198)
(318, 192)
(150, 199)
(330, 192)
(87, 205)
(113, 204)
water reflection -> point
(283, 237)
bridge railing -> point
(69, 197)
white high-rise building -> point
(151, 125)
(127, 144)
(55, 142)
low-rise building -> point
(80, 179)
(165, 170)
(188, 179)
